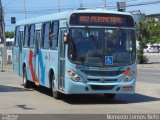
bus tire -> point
(109, 95)
(26, 83)
(55, 93)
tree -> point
(154, 31)
(9, 34)
(143, 40)
(149, 33)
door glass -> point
(37, 41)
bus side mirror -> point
(65, 38)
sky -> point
(35, 8)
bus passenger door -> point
(61, 66)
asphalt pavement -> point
(16, 99)
(37, 100)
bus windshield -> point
(93, 46)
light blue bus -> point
(84, 51)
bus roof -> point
(66, 14)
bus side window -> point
(16, 36)
(26, 36)
(45, 39)
(32, 35)
(22, 37)
(54, 35)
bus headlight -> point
(74, 76)
(129, 77)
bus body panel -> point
(44, 67)
(53, 65)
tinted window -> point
(22, 36)
(46, 31)
(16, 36)
(21, 40)
(26, 36)
(93, 47)
(54, 35)
(32, 37)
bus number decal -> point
(79, 67)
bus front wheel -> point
(55, 93)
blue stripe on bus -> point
(41, 66)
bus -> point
(83, 51)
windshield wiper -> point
(91, 35)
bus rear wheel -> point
(26, 83)
(109, 95)
(55, 93)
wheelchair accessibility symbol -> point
(108, 60)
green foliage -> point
(142, 59)
(140, 52)
(143, 40)
(9, 34)
(149, 33)
(153, 28)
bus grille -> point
(102, 87)
(102, 73)
(105, 80)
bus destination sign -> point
(100, 19)
(111, 20)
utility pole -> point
(3, 39)
(105, 4)
(81, 3)
(25, 9)
(59, 6)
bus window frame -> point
(55, 39)
(26, 43)
(43, 35)
(16, 36)
(32, 39)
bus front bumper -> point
(72, 87)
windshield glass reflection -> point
(89, 46)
